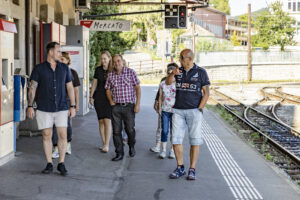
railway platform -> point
(228, 168)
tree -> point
(244, 18)
(213, 44)
(148, 23)
(264, 36)
(282, 29)
(234, 39)
(106, 41)
(175, 36)
(254, 15)
(275, 27)
(222, 5)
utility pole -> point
(164, 46)
(249, 44)
(193, 32)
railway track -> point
(284, 110)
(286, 95)
(266, 106)
(273, 133)
(276, 93)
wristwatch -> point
(201, 110)
(73, 106)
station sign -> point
(107, 25)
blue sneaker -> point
(192, 174)
(178, 172)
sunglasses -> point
(182, 57)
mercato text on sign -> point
(107, 25)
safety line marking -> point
(239, 184)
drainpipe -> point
(27, 36)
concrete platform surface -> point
(227, 167)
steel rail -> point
(293, 130)
(284, 94)
(247, 121)
(278, 96)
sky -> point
(239, 7)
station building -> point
(26, 26)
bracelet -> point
(72, 106)
(29, 106)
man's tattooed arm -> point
(31, 92)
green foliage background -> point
(275, 27)
(222, 5)
(119, 42)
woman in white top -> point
(166, 102)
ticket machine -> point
(7, 137)
(77, 45)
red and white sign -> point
(73, 53)
(8, 26)
(107, 25)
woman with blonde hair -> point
(99, 99)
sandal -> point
(105, 149)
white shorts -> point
(48, 119)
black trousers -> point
(126, 115)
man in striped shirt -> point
(124, 94)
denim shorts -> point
(190, 119)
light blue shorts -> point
(190, 119)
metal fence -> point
(146, 66)
(240, 58)
(233, 65)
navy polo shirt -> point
(51, 94)
(189, 87)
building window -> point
(17, 2)
(289, 5)
(298, 6)
(3, 17)
(294, 6)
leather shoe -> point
(62, 169)
(118, 157)
(131, 151)
(48, 169)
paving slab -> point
(227, 168)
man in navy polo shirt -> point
(192, 92)
(51, 81)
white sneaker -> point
(125, 141)
(171, 154)
(155, 149)
(69, 148)
(55, 153)
(163, 154)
